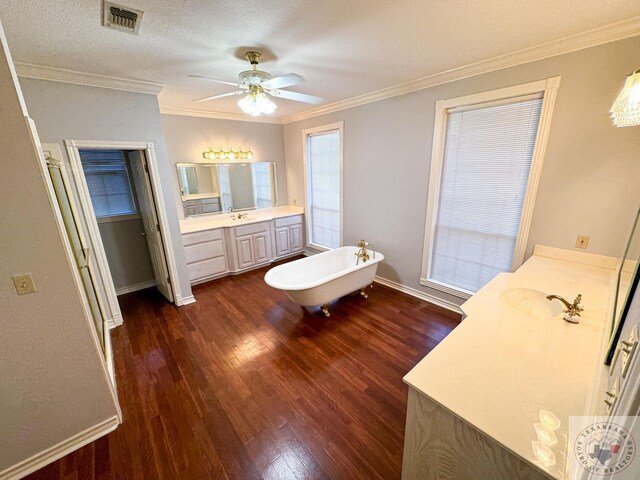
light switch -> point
(24, 284)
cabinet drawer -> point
(286, 221)
(200, 237)
(251, 228)
(202, 251)
(206, 268)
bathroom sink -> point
(244, 219)
(530, 302)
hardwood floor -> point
(244, 384)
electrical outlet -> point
(582, 241)
(24, 284)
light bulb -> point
(625, 111)
(257, 104)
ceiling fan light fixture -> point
(256, 103)
(625, 112)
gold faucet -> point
(362, 253)
(572, 309)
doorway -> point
(127, 218)
(121, 203)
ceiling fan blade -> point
(298, 97)
(217, 81)
(284, 81)
(239, 92)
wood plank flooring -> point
(244, 384)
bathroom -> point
(319, 313)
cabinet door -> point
(295, 238)
(282, 241)
(244, 247)
(260, 247)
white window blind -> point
(108, 181)
(487, 158)
(323, 188)
(224, 183)
(261, 184)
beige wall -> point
(127, 252)
(53, 384)
(188, 137)
(589, 184)
(76, 112)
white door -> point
(282, 241)
(244, 247)
(152, 232)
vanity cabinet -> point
(206, 255)
(287, 235)
(234, 248)
(251, 245)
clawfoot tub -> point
(318, 279)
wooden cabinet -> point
(220, 251)
(251, 245)
(287, 235)
(206, 255)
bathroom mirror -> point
(208, 188)
(628, 276)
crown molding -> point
(591, 38)
(54, 74)
(192, 112)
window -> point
(262, 184)
(323, 179)
(109, 183)
(485, 155)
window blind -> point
(487, 158)
(323, 183)
(224, 183)
(108, 181)
(261, 184)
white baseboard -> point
(116, 321)
(65, 447)
(419, 294)
(181, 301)
(136, 287)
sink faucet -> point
(572, 311)
(362, 253)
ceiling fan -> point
(257, 84)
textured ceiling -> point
(343, 48)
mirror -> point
(628, 276)
(208, 188)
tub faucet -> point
(362, 253)
(572, 310)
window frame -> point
(125, 216)
(306, 133)
(548, 88)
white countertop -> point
(208, 222)
(500, 368)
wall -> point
(53, 384)
(188, 137)
(127, 252)
(77, 112)
(589, 183)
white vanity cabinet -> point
(287, 235)
(206, 254)
(223, 245)
(250, 245)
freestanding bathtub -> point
(318, 279)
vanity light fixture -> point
(227, 155)
(625, 111)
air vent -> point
(121, 18)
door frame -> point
(86, 208)
(55, 151)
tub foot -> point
(363, 292)
(325, 310)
